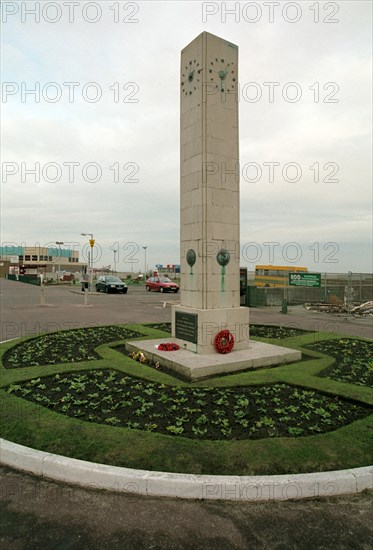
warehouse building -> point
(51, 261)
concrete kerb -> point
(185, 486)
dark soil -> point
(354, 360)
(79, 344)
(113, 398)
(64, 346)
(262, 331)
(166, 327)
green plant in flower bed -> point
(262, 331)
(354, 360)
(275, 332)
(166, 327)
(213, 426)
(257, 412)
(64, 346)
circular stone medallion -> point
(191, 257)
(223, 257)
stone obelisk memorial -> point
(209, 328)
(209, 198)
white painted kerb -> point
(143, 482)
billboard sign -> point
(305, 279)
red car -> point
(162, 284)
(67, 277)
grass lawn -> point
(74, 393)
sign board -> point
(14, 259)
(186, 326)
(305, 279)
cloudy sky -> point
(96, 147)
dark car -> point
(162, 284)
(110, 283)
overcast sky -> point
(118, 121)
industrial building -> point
(49, 260)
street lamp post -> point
(115, 258)
(59, 260)
(349, 295)
(145, 247)
(90, 262)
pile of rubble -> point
(364, 310)
(361, 310)
(327, 308)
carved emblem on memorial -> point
(223, 257)
(191, 258)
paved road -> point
(40, 514)
(22, 313)
(35, 513)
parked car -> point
(162, 284)
(110, 283)
(67, 277)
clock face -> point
(190, 77)
(223, 72)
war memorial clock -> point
(210, 331)
(209, 197)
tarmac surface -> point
(37, 513)
(23, 315)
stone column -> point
(209, 197)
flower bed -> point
(121, 412)
(64, 346)
(107, 396)
(354, 360)
(262, 331)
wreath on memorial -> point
(168, 347)
(224, 341)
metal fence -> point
(336, 288)
(30, 279)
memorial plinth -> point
(192, 367)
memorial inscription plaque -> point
(186, 326)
